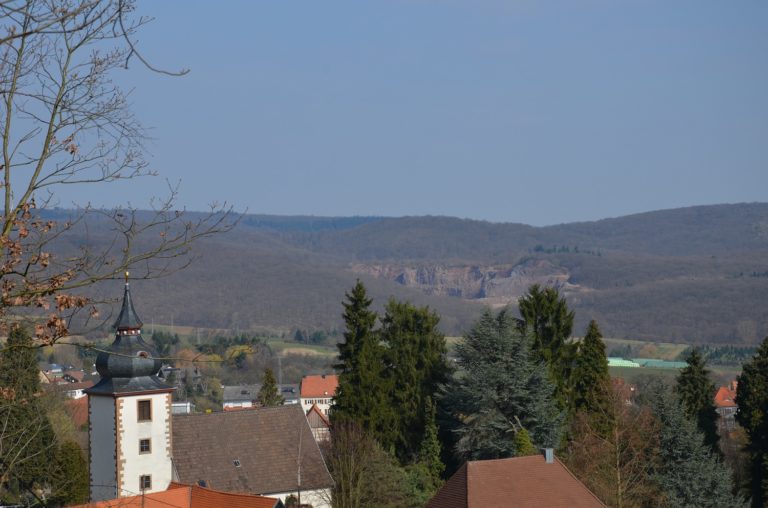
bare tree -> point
(65, 122)
(616, 461)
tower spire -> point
(128, 322)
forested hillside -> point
(688, 275)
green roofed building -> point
(614, 361)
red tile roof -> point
(725, 397)
(77, 409)
(319, 386)
(188, 496)
(522, 482)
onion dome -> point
(129, 364)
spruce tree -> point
(269, 395)
(363, 390)
(752, 399)
(69, 480)
(590, 371)
(690, 474)
(696, 391)
(545, 313)
(501, 383)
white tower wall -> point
(103, 451)
(132, 463)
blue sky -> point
(529, 111)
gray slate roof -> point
(128, 319)
(265, 441)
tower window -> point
(145, 481)
(145, 410)
(145, 446)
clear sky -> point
(514, 111)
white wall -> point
(158, 462)
(324, 403)
(320, 498)
(101, 419)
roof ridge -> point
(580, 482)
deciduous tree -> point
(63, 122)
(617, 465)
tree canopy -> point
(500, 388)
(752, 399)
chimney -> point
(549, 455)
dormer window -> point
(142, 354)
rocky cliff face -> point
(494, 285)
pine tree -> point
(546, 314)
(500, 383)
(414, 356)
(590, 377)
(269, 395)
(361, 395)
(697, 391)
(691, 474)
(752, 399)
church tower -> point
(129, 415)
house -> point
(75, 390)
(240, 396)
(522, 482)
(318, 390)
(318, 422)
(726, 407)
(268, 451)
(188, 496)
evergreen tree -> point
(752, 399)
(500, 385)
(69, 480)
(697, 391)
(546, 314)
(522, 444)
(361, 395)
(415, 365)
(27, 441)
(430, 450)
(590, 377)
(269, 395)
(691, 474)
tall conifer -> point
(269, 394)
(752, 399)
(414, 355)
(590, 378)
(363, 389)
(697, 392)
(545, 313)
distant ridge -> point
(691, 274)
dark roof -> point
(128, 319)
(235, 393)
(523, 482)
(265, 441)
